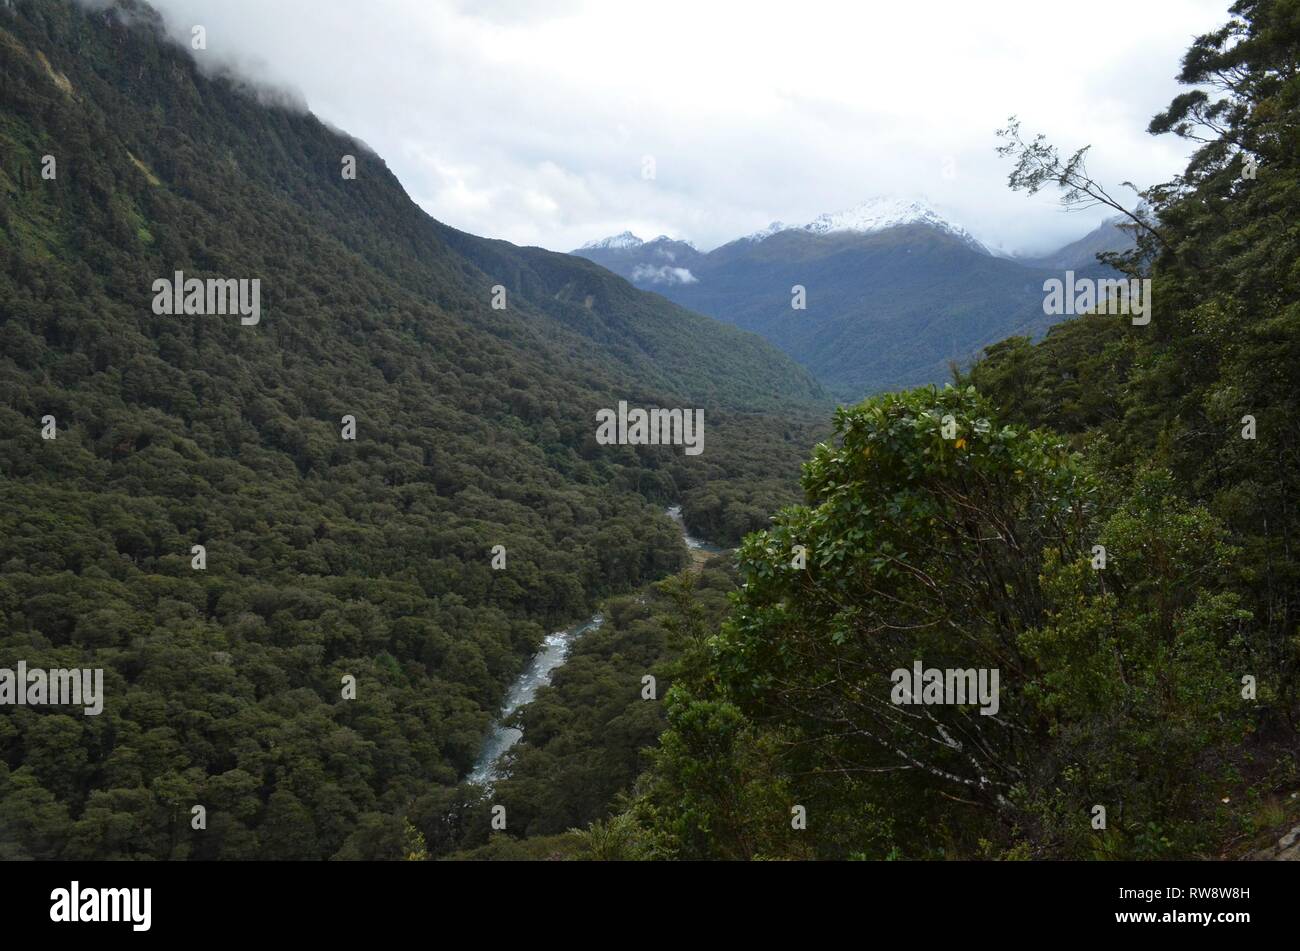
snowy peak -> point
(774, 228)
(879, 214)
(876, 214)
(664, 239)
(868, 217)
(615, 242)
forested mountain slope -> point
(326, 558)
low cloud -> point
(223, 59)
(648, 273)
(533, 121)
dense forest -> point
(1105, 516)
(325, 557)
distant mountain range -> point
(893, 291)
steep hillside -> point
(324, 558)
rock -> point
(1286, 850)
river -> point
(554, 651)
(694, 544)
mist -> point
(534, 122)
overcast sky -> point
(531, 120)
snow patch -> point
(616, 242)
(774, 228)
(880, 214)
(664, 239)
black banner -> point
(139, 901)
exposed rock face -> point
(1287, 849)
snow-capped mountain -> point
(657, 263)
(894, 289)
(628, 241)
(663, 239)
(616, 242)
(881, 214)
(873, 215)
(774, 228)
(868, 217)
(877, 214)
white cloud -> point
(648, 273)
(529, 120)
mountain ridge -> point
(878, 213)
(893, 294)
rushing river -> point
(537, 674)
(555, 649)
(695, 544)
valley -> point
(310, 485)
(537, 673)
(366, 560)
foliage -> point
(325, 557)
(1125, 686)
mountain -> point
(1110, 235)
(181, 506)
(614, 243)
(881, 214)
(893, 291)
(648, 264)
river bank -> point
(552, 655)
